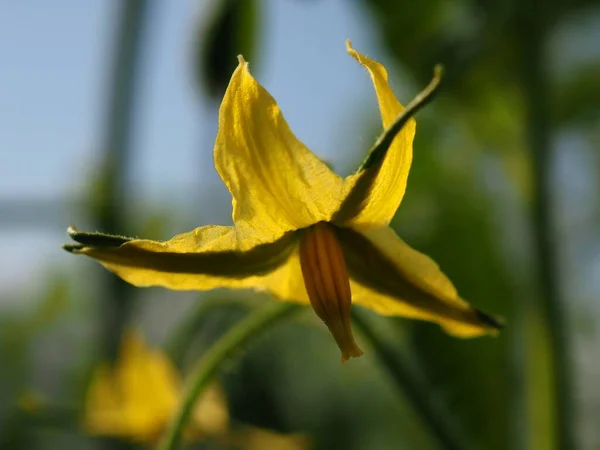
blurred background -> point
(108, 113)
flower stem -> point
(407, 382)
(533, 75)
(191, 323)
(208, 365)
(109, 209)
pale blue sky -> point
(54, 59)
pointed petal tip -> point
(353, 53)
(72, 248)
(438, 70)
(495, 323)
(241, 59)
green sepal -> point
(106, 248)
(72, 248)
(95, 239)
(369, 169)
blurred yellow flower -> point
(259, 439)
(137, 397)
(300, 231)
(30, 402)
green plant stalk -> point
(109, 206)
(188, 328)
(207, 367)
(533, 35)
(407, 382)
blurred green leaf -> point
(18, 332)
(577, 99)
(230, 28)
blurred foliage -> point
(228, 28)
(19, 333)
(464, 217)
(577, 98)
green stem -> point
(180, 340)
(208, 365)
(110, 209)
(411, 387)
(534, 79)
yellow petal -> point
(210, 416)
(205, 258)
(136, 398)
(253, 438)
(277, 184)
(389, 186)
(391, 278)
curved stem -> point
(189, 326)
(208, 365)
(411, 387)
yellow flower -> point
(300, 231)
(30, 402)
(139, 395)
(252, 438)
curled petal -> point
(277, 184)
(387, 188)
(391, 278)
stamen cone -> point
(328, 285)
